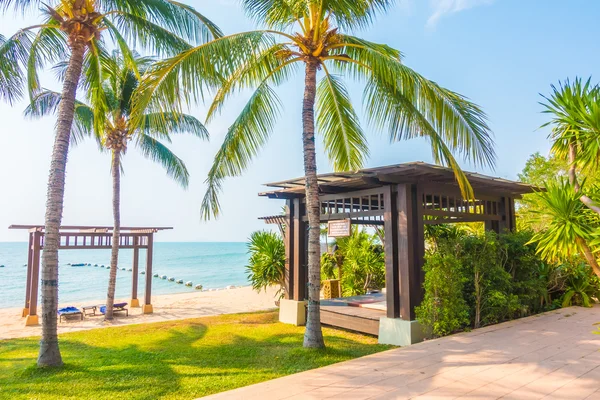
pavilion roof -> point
(400, 173)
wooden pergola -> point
(88, 238)
(402, 199)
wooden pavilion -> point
(88, 238)
(402, 199)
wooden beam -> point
(409, 274)
(148, 292)
(288, 240)
(135, 269)
(35, 274)
(419, 243)
(29, 271)
(299, 249)
(392, 288)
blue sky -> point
(501, 54)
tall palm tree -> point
(118, 87)
(75, 30)
(314, 35)
(575, 137)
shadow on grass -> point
(168, 360)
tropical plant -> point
(74, 30)
(571, 225)
(314, 36)
(266, 266)
(358, 261)
(582, 286)
(119, 83)
(575, 136)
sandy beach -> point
(166, 308)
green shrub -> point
(494, 278)
(444, 309)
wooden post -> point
(419, 244)
(32, 318)
(148, 293)
(134, 279)
(511, 215)
(506, 212)
(299, 252)
(390, 226)
(29, 270)
(288, 239)
(409, 274)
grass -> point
(171, 360)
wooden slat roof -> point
(399, 173)
(88, 229)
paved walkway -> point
(552, 356)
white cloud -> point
(442, 8)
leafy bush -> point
(494, 278)
(266, 266)
(444, 309)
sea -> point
(212, 265)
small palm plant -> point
(75, 30)
(582, 287)
(314, 37)
(117, 131)
(266, 266)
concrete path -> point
(552, 356)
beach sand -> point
(166, 308)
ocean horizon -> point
(213, 265)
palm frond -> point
(11, 80)
(345, 142)
(569, 222)
(185, 77)
(274, 65)
(46, 103)
(158, 152)
(347, 14)
(245, 138)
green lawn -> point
(171, 360)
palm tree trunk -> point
(589, 256)
(114, 255)
(313, 336)
(49, 355)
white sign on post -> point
(339, 228)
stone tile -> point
(552, 356)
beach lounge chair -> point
(67, 312)
(117, 308)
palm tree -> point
(314, 35)
(119, 85)
(74, 30)
(575, 136)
